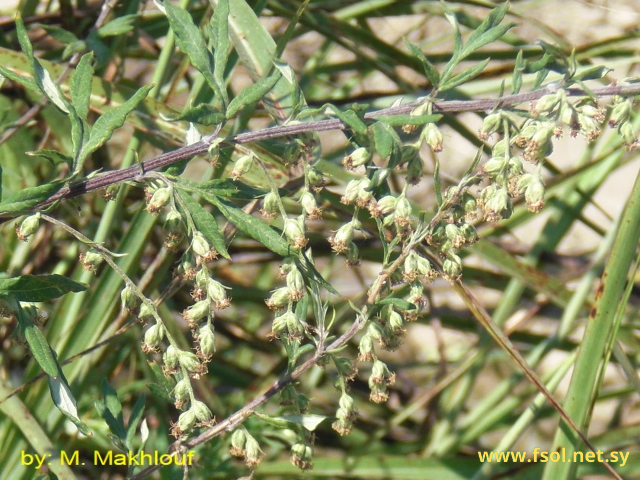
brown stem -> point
(443, 106)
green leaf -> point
(385, 139)
(407, 119)
(65, 401)
(38, 346)
(53, 156)
(252, 94)
(205, 223)
(464, 76)
(252, 226)
(191, 41)
(308, 421)
(430, 71)
(488, 31)
(29, 197)
(516, 83)
(27, 82)
(39, 288)
(118, 26)
(220, 35)
(111, 120)
(111, 411)
(592, 73)
(398, 303)
(134, 419)
(60, 34)
(317, 276)
(203, 114)
(80, 85)
(224, 187)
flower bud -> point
(206, 339)
(295, 284)
(452, 267)
(387, 204)
(154, 335)
(201, 411)
(130, 300)
(364, 192)
(238, 442)
(295, 233)
(253, 454)
(189, 361)
(279, 298)
(146, 312)
(359, 156)
(534, 194)
(217, 293)
(315, 179)
(432, 136)
(454, 234)
(309, 205)
(91, 260)
(200, 245)
(414, 170)
(28, 227)
(181, 391)
(171, 357)
(491, 124)
(621, 113)
(342, 238)
(159, 199)
(187, 420)
(270, 206)
(242, 166)
(547, 103)
(351, 192)
(302, 456)
(197, 312)
(366, 348)
(173, 221)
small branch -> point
(443, 106)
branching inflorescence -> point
(417, 246)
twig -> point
(443, 106)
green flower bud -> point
(494, 166)
(500, 149)
(470, 206)
(173, 222)
(359, 156)
(295, 284)
(206, 339)
(364, 192)
(130, 300)
(238, 442)
(353, 255)
(411, 266)
(171, 357)
(409, 152)
(621, 113)
(366, 348)
(379, 177)
(302, 456)
(496, 203)
(387, 204)
(432, 136)
(452, 267)
(159, 199)
(294, 326)
(295, 233)
(189, 361)
(351, 192)
(547, 103)
(201, 411)
(415, 167)
(491, 124)
(181, 391)
(154, 335)
(396, 323)
(28, 227)
(200, 245)
(91, 260)
(217, 293)
(309, 205)
(197, 312)
(146, 312)
(279, 298)
(270, 206)
(403, 207)
(454, 234)
(342, 238)
(186, 421)
(242, 166)
(628, 133)
(280, 323)
(534, 194)
(315, 178)
(253, 454)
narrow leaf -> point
(407, 119)
(39, 288)
(252, 226)
(29, 197)
(349, 118)
(220, 28)
(111, 120)
(134, 420)
(80, 85)
(203, 114)
(118, 26)
(465, 76)
(39, 347)
(112, 412)
(63, 399)
(399, 303)
(430, 71)
(385, 139)
(191, 41)
(205, 223)
(27, 82)
(53, 156)
(252, 94)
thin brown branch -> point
(441, 106)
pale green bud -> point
(171, 357)
(130, 300)
(387, 204)
(28, 227)
(432, 135)
(206, 339)
(452, 266)
(253, 454)
(91, 260)
(189, 361)
(315, 178)
(359, 156)
(351, 192)
(295, 283)
(621, 113)
(628, 133)
(294, 233)
(547, 103)
(146, 312)
(201, 411)
(279, 298)
(197, 312)
(309, 204)
(242, 166)
(302, 456)
(491, 124)
(270, 206)
(173, 222)
(342, 238)
(200, 245)
(187, 420)
(217, 293)
(159, 199)
(181, 390)
(154, 335)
